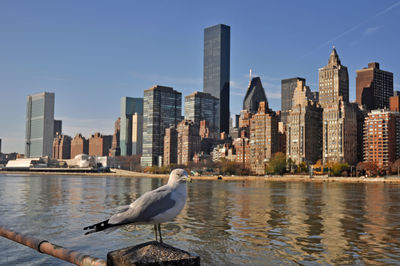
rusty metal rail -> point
(43, 246)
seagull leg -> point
(155, 231)
(159, 232)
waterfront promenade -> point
(272, 178)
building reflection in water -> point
(245, 222)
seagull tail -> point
(97, 227)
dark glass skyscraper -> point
(162, 107)
(217, 69)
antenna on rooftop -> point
(250, 75)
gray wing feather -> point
(122, 208)
(147, 206)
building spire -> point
(334, 57)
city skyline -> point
(90, 62)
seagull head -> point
(178, 176)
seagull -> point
(153, 207)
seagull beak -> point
(188, 179)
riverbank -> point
(277, 178)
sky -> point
(92, 53)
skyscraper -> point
(287, 88)
(39, 125)
(162, 108)
(254, 95)
(131, 109)
(333, 81)
(374, 87)
(339, 116)
(217, 69)
(202, 106)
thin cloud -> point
(160, 79)
(237, 94)
(371, 30)
(353, 28)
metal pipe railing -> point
(43, 246)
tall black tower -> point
(217, 69)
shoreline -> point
(284, 178)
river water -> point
(226, 223)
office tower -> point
(0, 146)
(304, 124)
(79, 145)
(57, 127)
(254, 95)
(374, 87)
(162, 108)
(188, 141)
(39, 125)
(131, 107)
(62, 147)
(99, 144)
(115, 147)
(217, 69)
(396, 93)
(382, 137)
(394, 103)
(333, 82)
(170, 146)
(263, 138)
(203, 106)
(287, 89)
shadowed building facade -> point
(304, 123)
(39, 132)
(374, 87)
(62, 147)
(162, 108)
(203, 106)
(131, 133)
(217, 69)
(287, 88)
(254, 95)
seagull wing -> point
(146, 207)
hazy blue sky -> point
(91, 53)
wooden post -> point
(151, 253)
